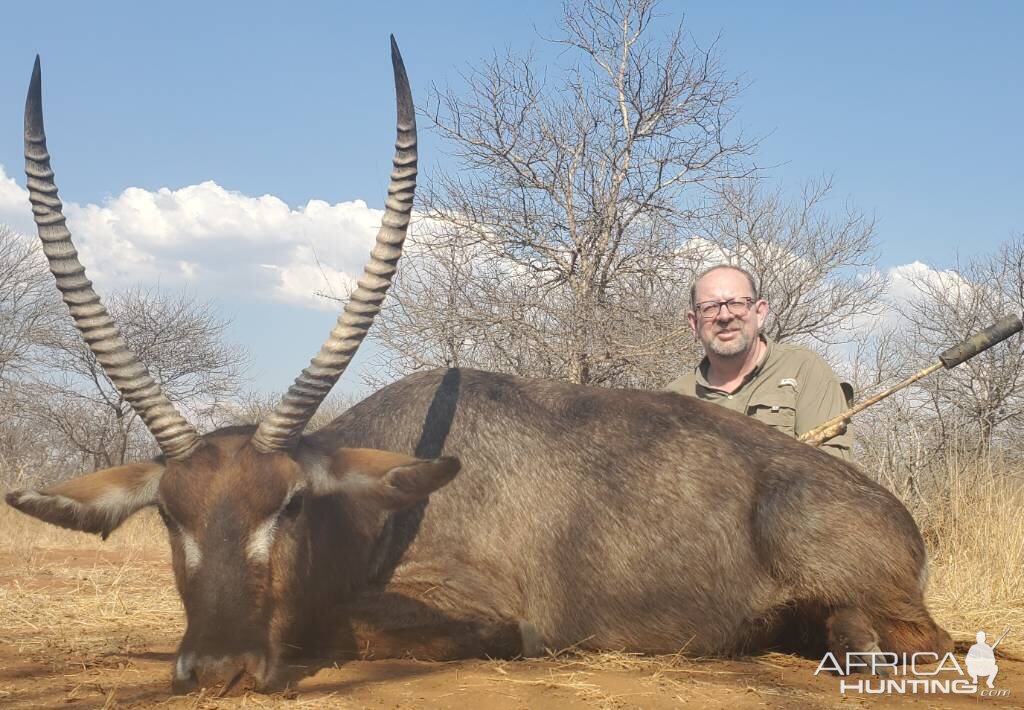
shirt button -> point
(729, 396)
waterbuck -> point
(459, 513)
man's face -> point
(724, 333)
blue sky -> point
(914, 108)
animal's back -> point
(612, 518)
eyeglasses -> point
(735, 306)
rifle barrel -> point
(1001, 636)
(977, 343)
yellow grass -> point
(68, 591)
(67, 600)
(974, 526)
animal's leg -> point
(392, 625)
(905, 626)
(884, 577)
(440, 641)
(851, 636)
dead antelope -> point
(604, 519)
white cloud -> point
(208, 238)
(902, 280)
(15, 210)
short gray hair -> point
(705, 272)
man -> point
(981, 660)
(785, 386)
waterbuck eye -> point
(294, 506)
(164, 516)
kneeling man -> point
(787, 387)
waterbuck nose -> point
(227, 673)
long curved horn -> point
(175, 435)
(282, 428)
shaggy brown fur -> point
(601, 519)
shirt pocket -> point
(776, 409)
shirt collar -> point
(702, 368)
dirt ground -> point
(96, 625)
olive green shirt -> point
(792, 389)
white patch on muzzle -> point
(183, 668)
(261, 540)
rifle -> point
(950, 358)
(1001, 636)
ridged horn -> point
(175, 435)
(282, 428)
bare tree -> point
(29, 310)
(816, 268)
(953, 419)
(182, 343)
(553, 248)
(28, 305)
(897, 439)
(253, 407)
(986, 393)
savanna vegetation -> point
(560, 242)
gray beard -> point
(739, 346)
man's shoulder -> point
(686, 383)
(804, 365)
(800, 358)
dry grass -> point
(141, 533)
(85, 609)
(974, 526)
(67, 594)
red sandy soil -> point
(83, 628)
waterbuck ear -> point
(382, 478)
(97, 502)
